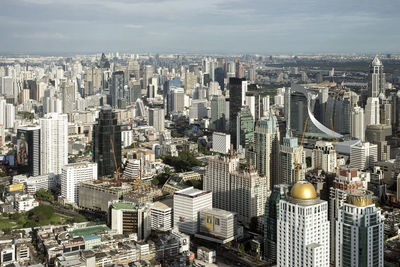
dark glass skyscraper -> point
(271, 221)
(119, 97)
(104, 132)
(235, 104)
(219, 75)
(28, 149)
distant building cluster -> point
(187, 160)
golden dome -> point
(303, 190)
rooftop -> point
(91, 230)
(191, 192)
(124, 206)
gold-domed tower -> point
(303, 190)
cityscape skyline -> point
(171, 26)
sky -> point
(199, 26)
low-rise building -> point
(24, 203)
(161, 217)
(128, 218)
(217, 225)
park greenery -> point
(45, 195)
(38, 216)
(185, 161)
(161, 178)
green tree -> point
(41, 213)
(44, 195)
(195, 183)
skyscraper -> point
(267, 138)
(53, 143)
(363, 155)
(376, 78)
(324, 157)
(372, 113)
(290, 153)
(359, 232)
(157, 118)
(106, 134)
(271, 221)
(119, 97)
(243, 192)
(176, 100)
(303, 228)
(236, 98)
(346, 179)
(219, 77)
(358, 123)
(245, 128)
(218, 113)
(74, 173)
(28, 149)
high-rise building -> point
(303, 228)
(176, 100)
(267, 138)
(346, 179)
(148, 73)
(217, 179)
(73, 174)
(243, 192)
(358, 123)
(291, 154)
(53, 143)
(106, 134)
(378, 134)
(198, 109)
(363, 155)
(221, 142)
(133, 69)
(10, 115)
(119, 96)
(190, 82)
(129, 218)
(157, 118)
(219, 74)
(245, 128)
(3, 104)
(218, 113)
(237, 94)
(187, 204)
(28, 149)
(135, 90)
(359, 232)
(68, 94)
(376, 78)
(324, 157)
(271, 221)
(372, 113)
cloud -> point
(133, 26)
(41, 35)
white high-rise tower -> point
(53, 143)
(359, 232)
(372, 114)
(376, 78)
(303, 228)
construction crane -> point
(334, 146)
(300, 151)
(137, 179)
(117, 168)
